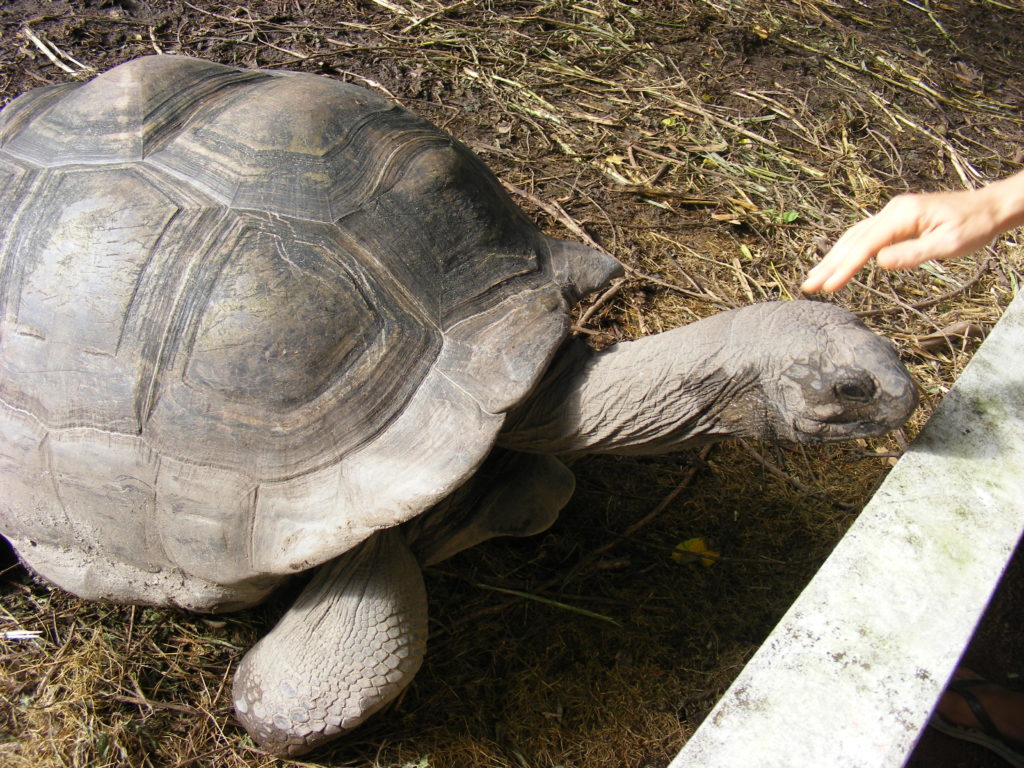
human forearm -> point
(1007, 201)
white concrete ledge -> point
(850, 675)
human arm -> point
(915, 228)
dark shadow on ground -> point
(995, 652)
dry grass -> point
(716, 148)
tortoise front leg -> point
(351, 643)
(512, 494)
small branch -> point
(594, 554)
(52, 56)
(917, 306)
(601, 301)
(547, 601)
(556, 212)
(150, 704)
(774, 469)
(664, 504)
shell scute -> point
(289, 351)
(300, 146)
(447, 230)
(203, 518)
(77, 273)
(119, 115)
(281, 321)
(106, 486)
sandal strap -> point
(962, 687)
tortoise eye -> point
(855, 391)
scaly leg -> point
(351, 643)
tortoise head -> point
(827, 377)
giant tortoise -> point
(256, 323)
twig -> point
(673, 287)
(647, 519)
(699, 291)
(935, 21)
(680, 198)
(924, 304)
(46, 51)
(548, 601)
(594, 554)
(152, 42)
(774, 469)
(149, 704)
(431, 16)
(600, 301)
(228, 19)
(557, 212)
(399, 10)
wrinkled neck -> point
(686, 386)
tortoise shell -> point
(248, 318)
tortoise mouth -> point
(849, 418)
(831, 431)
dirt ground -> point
(716, 147)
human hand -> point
(915, 228)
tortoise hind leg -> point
(350, 644)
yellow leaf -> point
(615, 160)
(695, 550)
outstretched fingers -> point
(847, 256)
(858, 245)
(913, 229)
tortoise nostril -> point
(856, 391)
